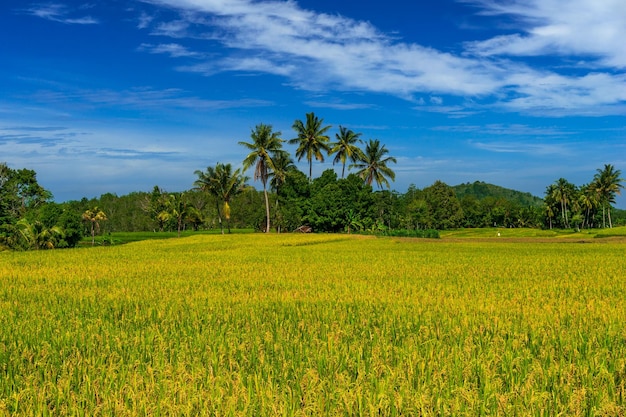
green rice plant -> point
(295, 325)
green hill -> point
(482, 190)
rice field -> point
(298, 325)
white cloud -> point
(538, 149)
(508, 130)
(318, 51)
(174, 50)
(338, 105)
(436, 100)
(139, 98)
(144, 20)
(593, 28)
(594, 94)
(174, 29)
(59, 13)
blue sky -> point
(119, 96)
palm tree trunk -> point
(267, 208)
(608, 210)
(219, 216)
(343, 171)
(276, 210)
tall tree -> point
(588, 201)
(550, 203)
(157, 204)
(229, 184)
(208, 183)
(6, 174)
(19, 193)
(265, 144)
(283, 165)
(94, 216)
(373, 164)
(608, 184)
(177, 208)
(345, 148)
(563, 192)
(312, 140)
(444, 209)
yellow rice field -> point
(295, 325)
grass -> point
(504, 233)
(118, 238)
(293, 325)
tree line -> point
(222, 198)
(587, 206)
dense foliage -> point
(481, 190)
(569, 206)
(326, 204)
(28, 219)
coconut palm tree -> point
(563, 192)
(549, 214)
(588, 201)
(207, 182)
(35, 235)
(283, 164)
(229, 184)
(178, 208)
(550, 203)
(312, 139)
(345, 148)
(608, 184)
(265, 144)
(373, 165)
(94, 216)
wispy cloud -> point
(173, 29)
(59, 13)
(60, 143)
(129, 159)
(33, 128)
(23, 139)
(139, 98)
(539, 149)
(593, 29)
(506, 130)
(456, 111)
(250, 65)
(126, 153)
(338, 105)
(318, 51)
(144, 20)
(549, 94)
(174, 50)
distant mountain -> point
(482, 190)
